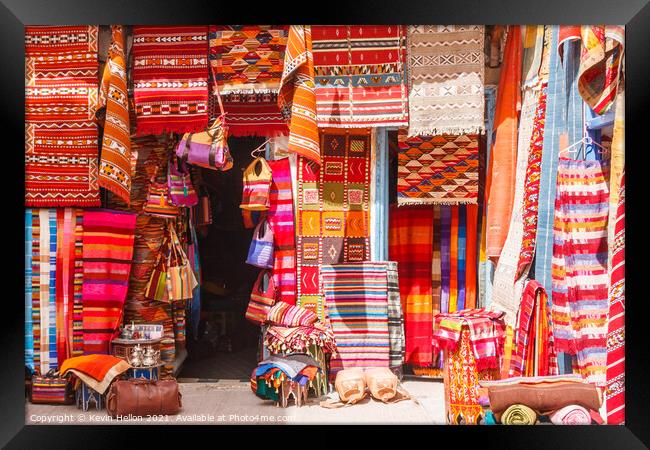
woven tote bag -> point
(257, 185)
(260, 253)
(262, 298)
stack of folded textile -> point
(267, 378)
(559, 399)
(97, 371)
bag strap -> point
(216, 88)
(186, 149)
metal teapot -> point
(151, 357)
(136, 356)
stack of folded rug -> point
(270, 373)
(559, 399)
(97, 371)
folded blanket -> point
(543, 397)
(287, 315)
(97, 371)
(518, 415)
(571, 415)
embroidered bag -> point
(181, 190)
(158, 200)
(260, 253)
(257, 185)
(262, 298)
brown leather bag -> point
(141, 397)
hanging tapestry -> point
(61, 137)
(395, 317)
(296, 98)
(115, 163)
(580, 265)
(357, 305)
(533, 352)
(436, 262)
(471, 255)
(170, 78)
(410, 244)
(29, 320)
(107, 253)
(615, 375)
(453, 260)
(616, 167)
(247, 63)
(333, 210)
(360, 75)
(437, 170)
(503, 161)
(446, 79)
(281, 219)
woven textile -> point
(333, 210)
(61, 137)
(357, 304)
(571, 415)
(503, 162)
(486, 331)
(247, 63)
(533, 351)
(107, 251)
(170, 78)
(299, 339)
(580, 277)
(436, 263)
(471, 256)
(286, 315)
(395, 317)
(281, 218)
(437, 170)
(297, 97)
(97, 371)
(115, 163)
(29, 321)
(445, 253)
(359, 75)
(410, 244)
(615, 374)
(446, 79)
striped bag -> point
(159, 202)
(286, 315)
(51, 389)
(257, 186)
(262, 298)
(181, 190)
(260, 253)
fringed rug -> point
(170, 78)
(437, 170)
(360, 75)
(61, 137)
(333, 210)
(446, 79)
(357, 304)
(281, 219)
(395, 317)
(107, 254)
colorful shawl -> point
(115, 164)
(580, 265)
(487, 333)
(357, 304)
(453, 260)
(446, 79)
(107, 253)
(61, 147)
(445, 256)
(281, 219)
(296, 98)
(170, 78)
(616, 166)
(436, 262)
(502, 167)
(97, 371)
(471, 255)
(360, 75)
(410, 243)
(333, 210)
(615, 374)
(534, 351)
(437, 170)
(247, 63)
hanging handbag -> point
(181, 190)
(181, 280)
(262, 298)
(51, 389)
(209, 148)
(260, 253)
(159, 201)
(257, 186)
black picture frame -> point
(14, 14)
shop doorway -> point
(225, 346)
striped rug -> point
(357, 304)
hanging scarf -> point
(471, 257)
(297, 99)
(115, 162)
(501, 174)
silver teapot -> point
(136, 356)
(151, 357)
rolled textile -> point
(519, 415)
(571, 415)
(543, 396)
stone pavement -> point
(232, 402)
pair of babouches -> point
(353, 385)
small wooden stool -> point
(295, 389)
(85, 395)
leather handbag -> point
(159, 201)
(142, 397)
(181, 190)
(262, 298)
(51, 389)
(260, 253)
